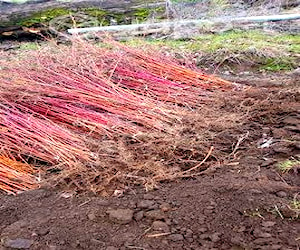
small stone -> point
(205, 237)
(165, 207)
(265, 235)
(18, 243)
(132, 204)
(145, 204)
(175, 222)
(190, 240)
(139, 215)
(176, 237)
(121, 216)
(155, 215)
(168, 221)
(189, 233)
(92, 216)
(160, 226)
(208, 212)
(202, 230)
(215, 237)
(268, 223)
(34, 234)
(296, 72)
(213, 203)
(43, 231)
(281, 194)
(267, 162)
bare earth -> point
(242, 203)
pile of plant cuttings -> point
(86, 116)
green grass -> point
(287, 165)
(29, 46)
(295, 204)
(269, 52)
(235, 41)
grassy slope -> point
(270, 52)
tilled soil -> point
(242, 203)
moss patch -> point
(43, 17)
(29, 46)
(103, 17)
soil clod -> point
(121, 216)
(18, 243)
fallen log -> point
(40, 13)
(10, 12)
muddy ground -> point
(244, 202)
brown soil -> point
(240, 202)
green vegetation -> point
(267, 52)
(103, 17)
(29, 46)
(295, 204)
(43, 17)
(236, 41)
(254, 213)
(287, 165)
(273, 64)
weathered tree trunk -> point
(12, 16)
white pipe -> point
(269, 18)
(183, 22)
(132, 26)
